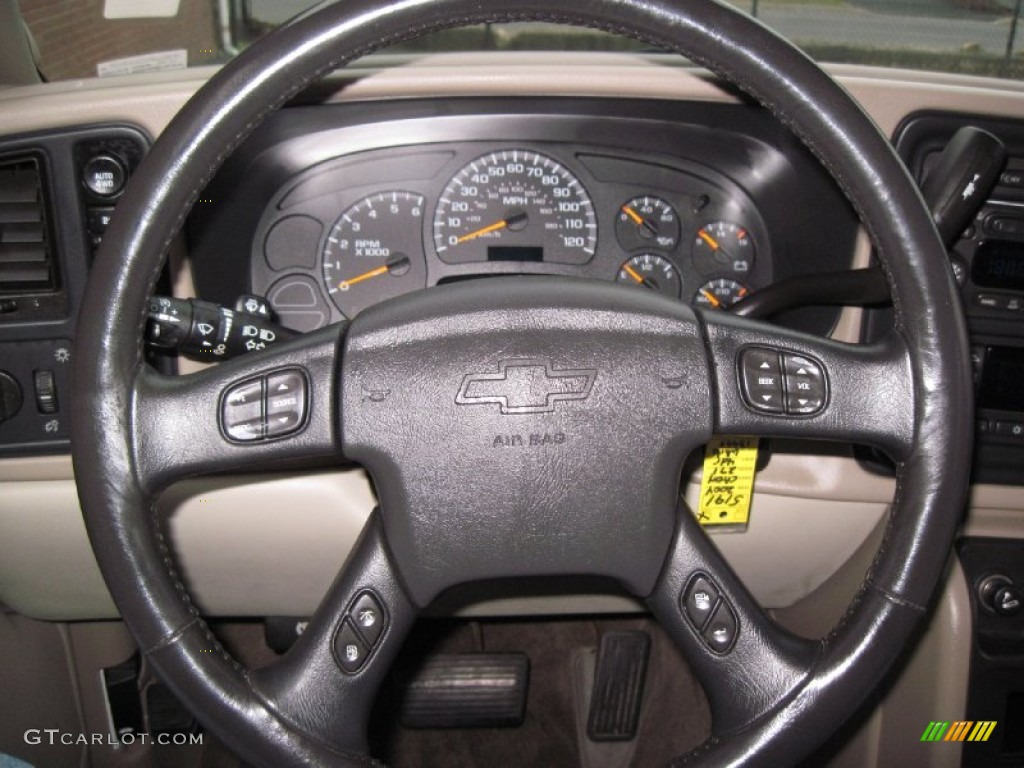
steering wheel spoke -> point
(774, 382)
(250, 412)
(326, 684)
(534, 429)
(746, 663)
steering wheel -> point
(440, 373)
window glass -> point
(961, 36)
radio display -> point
(999, 264)
(1001, 379)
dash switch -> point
(46, 391)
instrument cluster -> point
(359, 229)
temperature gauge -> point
(647, 222)
(720, 294)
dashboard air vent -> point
(26, 262)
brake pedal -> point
(618, 686)
(468, 690)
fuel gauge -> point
(720, 294)
(653, 272)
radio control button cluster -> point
(782, 382)
(265, 407)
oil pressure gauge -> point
(647, 222)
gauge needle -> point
(633, 273)
(639, 278)
(344, 285)
(715, 246)
(506, 222)
(709, 240)
(715, 302)
(636, 217)
(639, 220)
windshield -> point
(89, 38)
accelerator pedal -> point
(618, 686)
(468, 690)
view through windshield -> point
(75, 38)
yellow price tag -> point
(728, 482)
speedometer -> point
(515, 205)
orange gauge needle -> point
(393, 266)
(709, 240)
(346, 284)
(506, 222)
(711, 297)
(633, 273)
(636, 217)
(645, 226)
(484, 231)
(639, 278)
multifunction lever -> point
(955, 188)
(202, 330)
(959, 182)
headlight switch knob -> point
(1000, 595)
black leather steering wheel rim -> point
(114, 452)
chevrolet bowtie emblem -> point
(526, 386)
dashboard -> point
(350, 207)
(692, 161)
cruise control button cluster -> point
(360, 631)
(777, 381)
(265, 407)
(709, 613)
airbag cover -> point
(526, 426)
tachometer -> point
(375, 252)
(515, 205)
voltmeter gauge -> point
(720, 294)
(723, 247)
(647, 222)
(653, 272)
